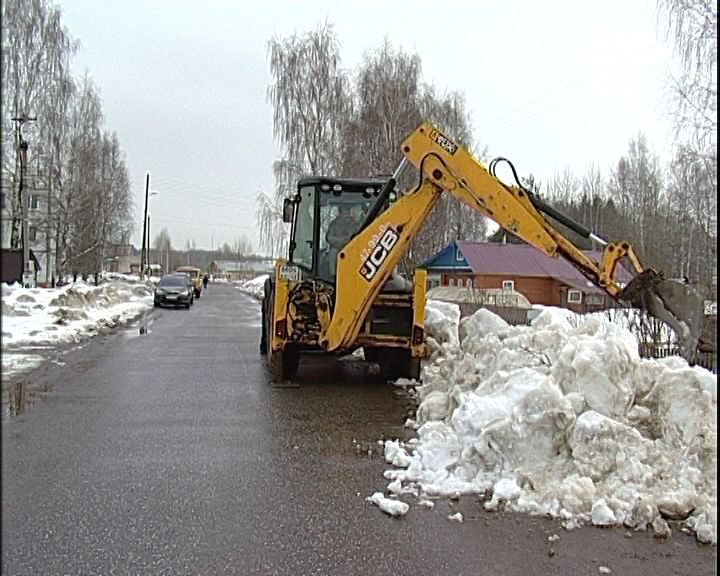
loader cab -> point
(326, 213)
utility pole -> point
(49, 268)
(144, 236)
(27, 275)
(148, 245)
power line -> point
(563, 102)
(567, 86)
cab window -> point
(303, 234)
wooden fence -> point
(513, 316)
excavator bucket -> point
(671, 300)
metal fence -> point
(707, 360)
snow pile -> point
(42, 316)
(561, 418)
(254, 287)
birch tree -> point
(693, 27)
(691, 216)
(386, 110)
(36, 82)
(163, 246)
(95, 207)
(637, 184)
(311, 102)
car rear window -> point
(172, 281)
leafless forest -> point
(349, 123)
(338, 122)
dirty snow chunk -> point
(604, 570)
(388, 505)
(481, 323)
(396, 454)
(506, 489)
(441, 321)
(661, 528)
(602, 515)
(598, 362)
(436, 405)
(457, 517)
(395, 487)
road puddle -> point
(139, 327)
(143, 325)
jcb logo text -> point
(379, 254)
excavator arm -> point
(367, 261)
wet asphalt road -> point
(168, 453)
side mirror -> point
(287, 210)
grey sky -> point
(184, 84)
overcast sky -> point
(184, 85)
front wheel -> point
(266, 318)
(283, 364)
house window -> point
(34, 202)
(508, 285)
(459, 255)
(574, 297)
(32, 234)
(594, 299)
(451, 281)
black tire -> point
(263, 334)
(395, 363)
(283, 364)
(371, 354)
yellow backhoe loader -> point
(337, 290)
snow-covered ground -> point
(560, 418)
(37, 318)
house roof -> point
(526, 260)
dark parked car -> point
(174, 289)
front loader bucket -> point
(671, 300)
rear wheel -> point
(371, 354)
(396, 363)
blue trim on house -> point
(447, 259)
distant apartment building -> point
(40, 238)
